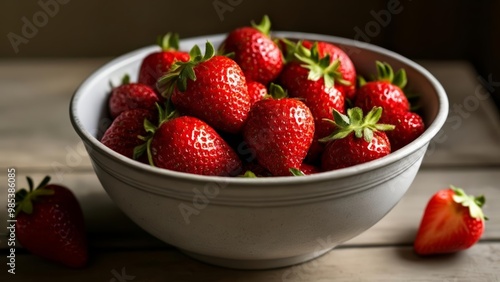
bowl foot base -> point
(256, 264)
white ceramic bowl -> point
(264, 222)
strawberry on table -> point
(258, 56)
(187, 144)
(123, 134)
(385, 91)
(408, 126)
(452, 221)
(130, 96)
(280, 131)
(157, 64)
(357, 139)
(50, 223)
(212, 88)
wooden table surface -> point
(37, 139)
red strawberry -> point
(155, 65)
(211, 88)
(385, 92)
(408, 126)
(346, 67)
(256, 91)
(50, 224)
(318, 92)
(452, 221)
(281, 132)
(357, 139)
(122, 135)
(258, 56)
(187, 144)
(130, 96)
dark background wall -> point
(419, 29)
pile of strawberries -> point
(258, 106)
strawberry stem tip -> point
(386, 73)
(24, 199)
(288, 48)
(169, 41)
(182, 71)
(249, 174)
(276, 92)
(363, 127)
(296, 172)
(319, 67)
(474, 204)
(264, 26)
(125, 80)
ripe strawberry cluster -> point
(258, 106)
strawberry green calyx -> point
(24, 198)
(473, 203)
(288, 48)
(386, 73)
(182, 71)
(169, 41)
(276, 92)
(264, 26)
(125, 80)
(320, 68)
(249, 174)
(164, 115)
(296, 172)
(355, 122)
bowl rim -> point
(124, 59)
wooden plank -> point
(401, 224)
(481, 263)
(35, 127)
(470, 135)
(398, 227)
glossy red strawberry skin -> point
(218, 96)
(350, 151)
(281, 132)
(55, 229)
(157, 64)
(346, 67)
(258, 56)
(382, 94)
(321, 100)
(256, 91)
(446, 226)
(132, 96)
(187, 144)
(409, 126)
(122, 135)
